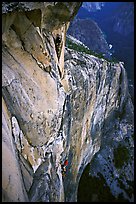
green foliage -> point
(81, 48)
(121, 155)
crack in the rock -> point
(10, 82)
(62, 120)
(25, 166)
(122, 101)
(98, 75)
(48, 42)
(21, 171)
(27, 28)
(66, 118)
(106, 102)
(23, 46)
(14, 58)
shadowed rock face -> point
(52, 109)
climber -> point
(63, 166)
(58, 39)
(66, 162)
(58, 44)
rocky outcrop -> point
(52, 111)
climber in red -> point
(66, 162)
(63, 166)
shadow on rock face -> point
(95, 189)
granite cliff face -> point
(111, 123)
(53, 108)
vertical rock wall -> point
(55, 110)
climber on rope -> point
(58, 44)
(63, 167)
